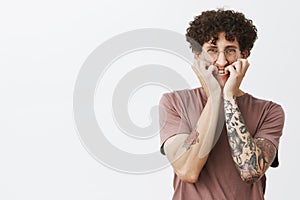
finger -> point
(202, 56)
(237, 66)
(211, 68)
(245, 65)
(202, 66)
(196, 70)
(230, 69)
(216, 71)
(197, 63)
(205, 59)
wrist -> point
(216, 94)
(228, 97)
(232, 95)
(229, 100)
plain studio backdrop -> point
(43, 45)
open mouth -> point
(221, 71)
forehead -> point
(222, 42)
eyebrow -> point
(226, 47)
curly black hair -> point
(209, 24)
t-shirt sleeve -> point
(271, 127)
(171, 120)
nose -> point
(221, 61)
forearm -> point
(247, 152)
(207, 125)
(205, 128)
(192, 150)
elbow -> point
(249, 177)
(188, 176)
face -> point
(221, 54)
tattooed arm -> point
(252, 156)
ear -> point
(245, 54)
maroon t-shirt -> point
(219, 178)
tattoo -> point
(191, 140)
(251, 156)
(268, 152)
(236, 145)
(243, 129)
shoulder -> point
(184, 95)
(265, 107)
(250, 100)
(184, 101)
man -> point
(220, 140)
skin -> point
(221, 81)
(188, 153)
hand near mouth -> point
(205, 72)
(235, 72)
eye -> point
(212, 50)
(230, 50)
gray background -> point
(43, 45)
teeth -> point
(221, 71)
